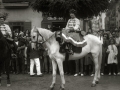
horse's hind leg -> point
(54, 64)
(60, 65)
(7, 66)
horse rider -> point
(5, 29)
(72, 29)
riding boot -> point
(70, 51)
(62, 48)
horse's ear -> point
(34, 29)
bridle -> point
(43, 39)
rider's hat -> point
(3, 15)
(73, 11)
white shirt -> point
(5, 29)
(73, 23)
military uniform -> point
(72, 33)
(75, 25)
(6, 31)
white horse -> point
(93, 46)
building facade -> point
(112, 20)
(21, 16)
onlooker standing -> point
(14, 47)
(45, 55)
(112, 57)
(104, 54)
(21, 47)
(17, 65)
(119, 53)
(33, 54)
(117, 39)
(88, 63)
(77, 65)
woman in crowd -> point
(104, 54)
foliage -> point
(84, 8)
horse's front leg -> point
(95, 80)
(7, 66)
(60, 65)
(54, 64)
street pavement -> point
(25, 82)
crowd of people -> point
(22, 60)
(110, 55)
(26, 55)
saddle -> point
(68, 45)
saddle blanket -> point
(74, 38)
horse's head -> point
(35, 37)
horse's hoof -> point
(93, 85)
(62, 88)
(51, 88)
(8, 85)
(97, 82)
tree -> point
(60, 8)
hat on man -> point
(73, 11)
(3, 15)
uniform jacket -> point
(5, 29)
(73, 23)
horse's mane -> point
(45, 32)
(93, 38)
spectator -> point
(88, 63)
(47, 63)
(21, 47)
(33, 54)
(14, 47)
(104, 54)
(82, 66)
(119, 54)
(77, 65)
(112, 57)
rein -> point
(44, 41)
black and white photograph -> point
(59, 44)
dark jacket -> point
(21, 47)
(32, 53)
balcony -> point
(16, 5)
(15, 1)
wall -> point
(26, 15)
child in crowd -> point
(112, 57)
